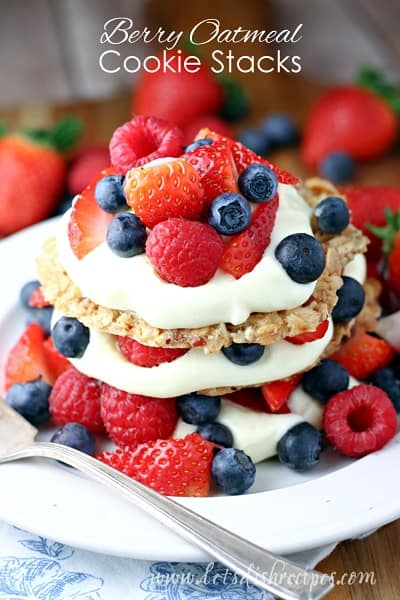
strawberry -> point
(147, 356)
(26, 360)
(177, 96)
(243, 157)
(309, 336)
(32, 174)
(243, 251)
(161, 191)
(212, 122)
(56, 362)
(363, 354)
(215, 165)
(390, 234)
(174, 467)
(394, 267)
(131, 419)
(37, 299)
(85, 165)
(348, 119)
(249, 398)
(88, 224)
(76, 398)
(276, 393)
(367, 204)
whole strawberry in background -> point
(360, 120)
(32, 173)
(179, 97)
(390, 236)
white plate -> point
(286, 512)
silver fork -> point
(253, 563)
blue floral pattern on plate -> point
(193, 581)
(44, 578)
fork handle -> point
(268, 571)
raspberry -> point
(131, 419)
(76, 398)
(147, 356)
(185, 253)
(142, 140)
(172, 467)
(359, 420)
(171, 188)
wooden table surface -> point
(378, 552)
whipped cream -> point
(195, 370)
(256, 433)
(357, 268)
(132, 284)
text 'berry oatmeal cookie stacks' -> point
(209, 276)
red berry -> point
(159, 192)
(186, 253)
(88, 224)
(179, 467)
(176, 94)
(309, 336)
(76, 398)
(360, 420)
(215, 165)
(37, 299)
(250, 398)
(85, 166)
(244, 157)
(57, 363)
(142, 140)
(363, 354)
(276, 393)
(243, 251)
(131, 419)
(147, 356)
(212, 122)
(26, 360)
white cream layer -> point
(132, 284)
(195, 370)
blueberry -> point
(41, 316)
(386, 379)
(258, 183)
(332, 215)
(70, 337)
(27, 291)
(109, 193)
(280, 130)
(233, 471)
(64, 204)
(216, 433)
(302, 257)
(325, 380)
(300, 447)
(243, 354)
(198, 409)
(254, 139)
(229, 213)
(337, 166)
(351, 300)
(126, 235)
(31, 400)
(197, 144)
(75, 436)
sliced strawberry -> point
(244, 157)
(249, 398)
(88, 224)
(27, 359)
(56, 362)
(309, 336)
(162, 191)
(147, 356)
(174, 467)
(243, 251)
(363, 354)
(37, 300)
(276, 393)
(216, 168)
